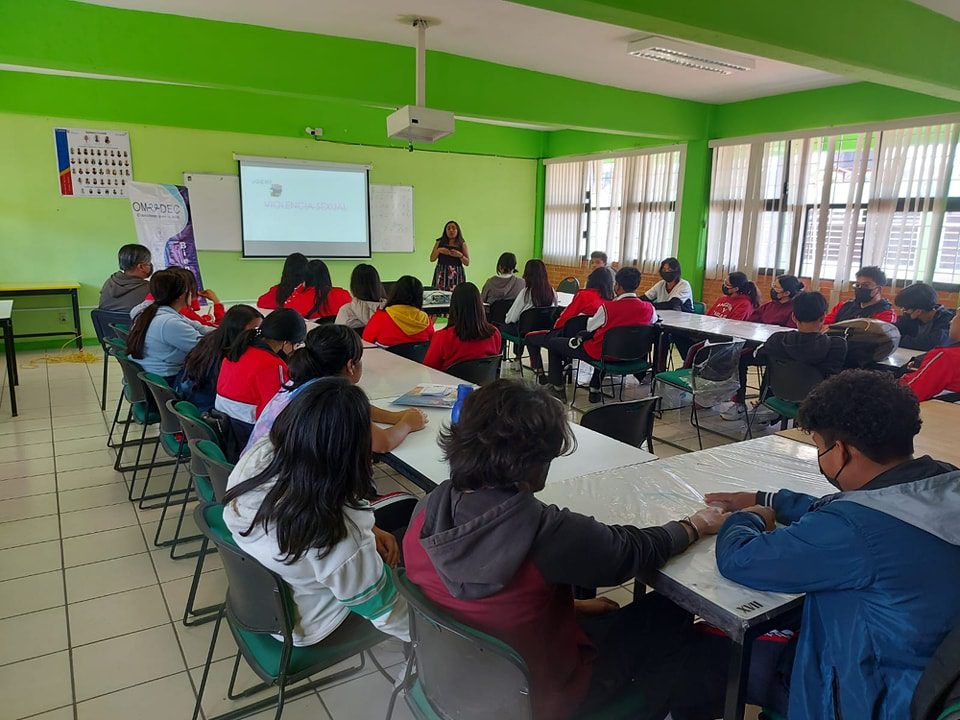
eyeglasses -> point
(864, 286)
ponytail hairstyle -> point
(321, 466)
(284, 325)
(407, 291)
(739, 281)
(210, 351)
(293, 274)
(790, 284)
(467, 317)
(318, 278)
(190, 279)
(535, 277)
(601, 280)
(166, 286)
(365, 284)
(325, 353)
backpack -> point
(868, 340)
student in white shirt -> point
(296, 502)
(368, 297)
(537, 294)
(671, 292)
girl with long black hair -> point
(319, 299)
(296, 502)
(368, 297)
(291, 279)
(403, 319)
(537, 293)
(467, 336)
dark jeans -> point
(537, 340)
(559, 348)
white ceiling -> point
(950, 8)
(505, 33)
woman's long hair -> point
(318, 278)
(458, 241)
(210, 351)
(467, 317)
(284, 324)
(325, 353)
(745, 287)
(365, 284)
(293, 274)
(407, 291)
(321, 465)
(601, 280)
(166, 286)
(535, 276)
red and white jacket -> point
(939, 372)
(627, 309)
(245, 387)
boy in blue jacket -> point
(879, 561)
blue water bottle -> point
(463, 390)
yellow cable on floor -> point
(74, 356)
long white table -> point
(654, 493)
(718, 327)
(386, 375)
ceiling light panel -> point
(665, 50)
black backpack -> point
(868, 340)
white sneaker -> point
(733, 413)
(724, 406)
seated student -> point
(160, 337)
(778, 310)
(335, 351)
(297, 502)
(940, 369)
(671, 292)
(127, 287)
(923, 323)
(868, 300)
(319, 299)
(197, 381)
(626, 309)
(403, 319)
(505, 285)
(192, 309)
(588, 301)
(485, 549)
(807, 345)
(467, 336)
(255, 368)
(291, 281)
(537, 293)
(739, 300)
(598, 259)
(368, 297)
(878, 561)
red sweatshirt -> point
(585, 302)
(851, 310)
(774, 313)
(732, 307)
(939, 371)
(192, 312)
(246, 386)
(268, 301)
(302, 301)
(398, 324)
(447, 349)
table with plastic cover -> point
(654, 493)
(387, 375)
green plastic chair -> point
(699, 308)
(531, 320)
(625, 351)
(259, 610)
(788, 383)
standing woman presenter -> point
(451, 255)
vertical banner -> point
(161, 214)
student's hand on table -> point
(210, 295)
(767, 514)
(595, 606)
(415, 419)
(708, 520)
(387, 547)
(731, 502)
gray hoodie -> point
(122, 292)
(502, 287)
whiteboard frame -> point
(413, 221)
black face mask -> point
(726, 290)
(835, 480)
(669, 275)
(863, 295)
(774, 295)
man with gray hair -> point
(128, 287)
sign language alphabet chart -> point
(93, 163)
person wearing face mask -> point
(878, 560)
(671, 292)
(778, 310)
(868, 300)
(739, 301)
(923, 323)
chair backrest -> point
(718, 362)
(481, 371)
(791, 380)
(498, 310)
(629, 422)
(103, 321)
(411, 351)
(257, 599)
(447, 652)
(215, 466)
(568, 285)
(534, 319)
(121, 329)
(162, 393)
(699, 308)
(136, 390)
(937, 696)
(191, 421)
(388, 286)
(628, 342)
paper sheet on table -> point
(429, 396)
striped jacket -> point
(351, 577)
(939, 371)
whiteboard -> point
(215, 208)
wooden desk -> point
(9, 351)
(69, 287)
(937, 438)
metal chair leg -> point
(103, 386)
(204, 614)
(206, 666)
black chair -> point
(937, 696)
(497, 312)
(416, 351)
(531, 320)
(103, 321)
(786, 384)
(388, 286)
(629, 422)
(625, 350)
(482, 371)
(259, 609)
(568, 285)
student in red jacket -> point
(403, 319)
(599, 289)
(739, 300)
(626, 309)
(291, 280)
(319, 298)
(191, 310)
(255, 368)
(940, 369)
(483, 548)
(778, 310)
(868, 300)
(467, 336)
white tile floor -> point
(89, 610)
